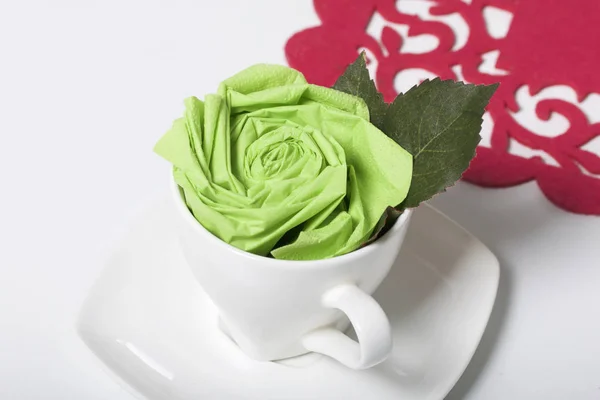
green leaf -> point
(357, 82)
(438, 122)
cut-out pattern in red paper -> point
(549, 43)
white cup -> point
(276, 309)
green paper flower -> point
(272, 164)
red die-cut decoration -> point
(549, 43)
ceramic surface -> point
(276, 309)
(151, 324)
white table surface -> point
(87, 87)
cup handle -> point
(369, 321)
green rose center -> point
(284, 153)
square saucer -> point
(156, 332)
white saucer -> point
(151, 324)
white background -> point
(86, 89)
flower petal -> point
(260, 77)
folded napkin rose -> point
(272, 164)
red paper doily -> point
(549, 43)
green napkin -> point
(272, 164)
